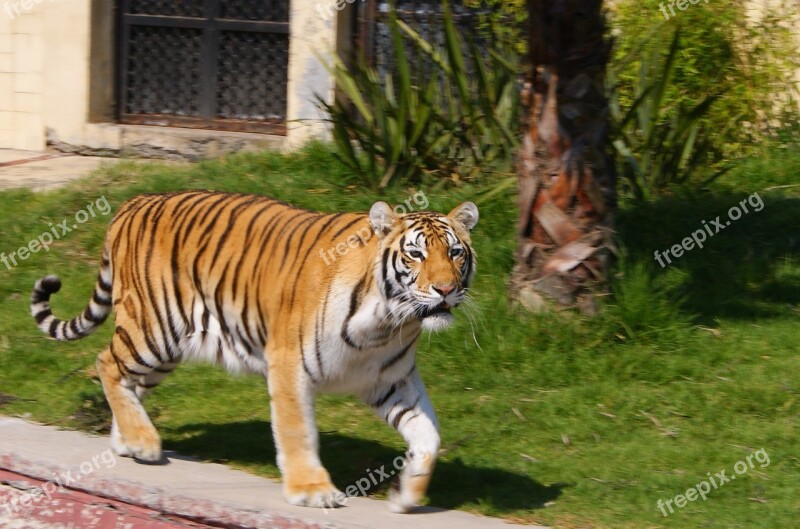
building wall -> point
(21, 76)
(57, 76)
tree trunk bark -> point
(567, 186)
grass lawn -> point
(553, 418)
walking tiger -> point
(238, 280)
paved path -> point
(41, 171)
(186, 489)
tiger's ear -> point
(466, 214)
(382, 219)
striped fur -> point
(240, 280)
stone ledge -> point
(165, 143)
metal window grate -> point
(425, 17)
(169, 85)
(218, 64)
(272, 10)
(182, 8)
(252, 76)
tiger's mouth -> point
(441, 308)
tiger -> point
(237, 280)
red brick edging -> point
(160, 500)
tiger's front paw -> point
(402, 499)
(312, 489)
(408, 489)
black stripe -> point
(42, 315)
(218, 302)
(89, 315)
(206, 316)
(396, 262)
(39, 296)
(176, 339)
(311, 221)
(226, 232)
(247, 243)
(176, 280)
(396, 358)
(388, 291)
(150, 292)
(126, 339)
(105, 287)
(134, 250)
(317, 345)
(122, 367)
(246, 322)
(100, 301)
(152, 346)
(73, 326)
(189, 216)
(469, 265)
(53, 327)
(303, 357)
(355, 298)
(383, 400)
(311, 247)
(284, 226)
(257, 216)
(346, 226)
(308, 371)
(399, 416)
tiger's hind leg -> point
(126, 379)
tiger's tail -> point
(84, 324)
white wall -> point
(45, 51)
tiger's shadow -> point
(349, 459)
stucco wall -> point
(57, 73)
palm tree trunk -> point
(566, 178)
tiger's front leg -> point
(305, 480)
(405, 405)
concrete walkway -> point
(41, 171)
(203, 492)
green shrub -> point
(458, 121)
(661, 143)
(747, 63)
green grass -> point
(551, 418)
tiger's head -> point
(426, 261)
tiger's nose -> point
(444, 289)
